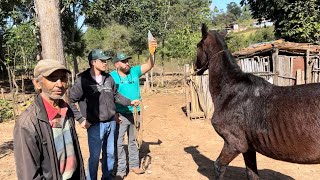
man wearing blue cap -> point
(96, 93)
(127, 81)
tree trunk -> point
(75, 65)
(48, 12)
(74, 57)
(3, 67)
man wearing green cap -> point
(45, 141)
(96, 93)
(127, 81)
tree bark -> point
(74, 57)
(3, 67)
(48, 12)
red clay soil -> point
(179, 148)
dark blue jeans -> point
(101, 136)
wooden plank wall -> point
(257, 65)
(285, 77)
(315, 69)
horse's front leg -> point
(227, 154)
(251, 164)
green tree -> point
(294, 20)
(234, 14)
(12, 13)
(234, 8)
(162, 17)
(115, 37)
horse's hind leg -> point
(227, 154)
(251, 164)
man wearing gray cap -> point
(96, 93)
(45, 142)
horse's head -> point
(201, 63)
(210, 46)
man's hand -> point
(135, 102)
(85, 124)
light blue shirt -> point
(128, 86)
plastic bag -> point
(152, 49)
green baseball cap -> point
(120, 56)
(98, 54)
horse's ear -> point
(204, 30)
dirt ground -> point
(179, 148)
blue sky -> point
(222, 4)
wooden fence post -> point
(187, 88)
(2, 94)
(275, 65)
(309, 67)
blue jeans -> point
(101, 136)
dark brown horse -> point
(252, 115)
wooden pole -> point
(309, 67)
(275, 60)
(2, 94)
(299, 77)
(187, 89)
(147, 84)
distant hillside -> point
(242, 39)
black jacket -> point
(34, 149)
(96, 102)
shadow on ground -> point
(205, 167)
(6, 148)
(145, 158)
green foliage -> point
(115, 37)
(163, 18)
(182, 43)
(234, 9)
(262, 35)
(14, 12)
(120, 25)
(72, 39)
(6, 110)
(294, 20)
(21, 44)
(234, 14)
(238, 41)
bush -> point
(6, 110)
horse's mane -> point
(233, 67)
(220, 41)
(217, 35)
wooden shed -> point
(282, 63)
